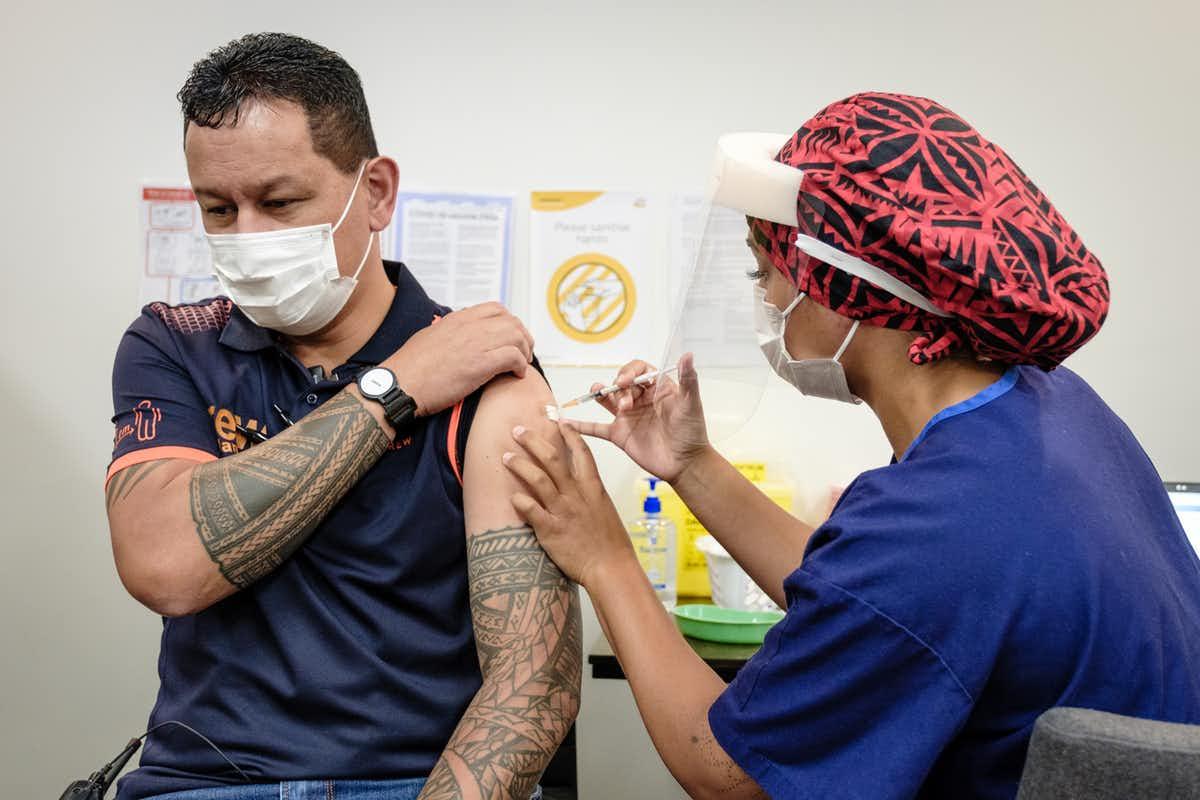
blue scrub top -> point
(1022, 554)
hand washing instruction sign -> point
(176, 262)
(591, 255)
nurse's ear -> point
(812, 330)
(878, 360)
(780, 291)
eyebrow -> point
(260, 189)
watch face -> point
(375, 382)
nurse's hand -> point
(566, 504)
(660, 425)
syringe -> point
(640, 380)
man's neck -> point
(354, 325)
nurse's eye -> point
(276, 204)
(756, 275)
(220, 212)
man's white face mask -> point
(287, 280)
(815, 377)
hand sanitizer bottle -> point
(654, 541)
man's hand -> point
(445, 362)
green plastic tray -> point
(716, 624)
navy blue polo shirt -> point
(1022, 554)
(356, 657)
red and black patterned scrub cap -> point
(907, 186)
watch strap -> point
(398, 407)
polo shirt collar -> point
(411, 310)
(242, 334)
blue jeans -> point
(314, 790)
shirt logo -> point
(123, 433)
(145, 421)
(226, 423)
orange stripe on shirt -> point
(153, 454)
(452, 440)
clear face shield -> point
(714, 312)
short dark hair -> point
(278, 66)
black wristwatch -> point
(379, 384)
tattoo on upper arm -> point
(527, 631)
(124, 482)
(253, 510)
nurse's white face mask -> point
(287, 280)
(815, 377)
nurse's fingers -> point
(583, 464)
(664, 388)
(547, 455)
(598, 430)
(531, 512)
(528, 473)
(608, 402)
(689, 379)
(633, 369)
(635, 397)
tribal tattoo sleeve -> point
(255, 509)
(125, 481)
(527, 630)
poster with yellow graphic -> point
(591, 257)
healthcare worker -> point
(1018, 552)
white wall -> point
(1096, 101)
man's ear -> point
(382, 179)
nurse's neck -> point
(905, 396)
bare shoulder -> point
(488, 486)
(509, 401)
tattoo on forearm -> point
(252, 511)
(124, 482)
(527, 629)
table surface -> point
(725, 659)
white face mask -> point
(287, 280)
(815, 377)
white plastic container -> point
(731, 586)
